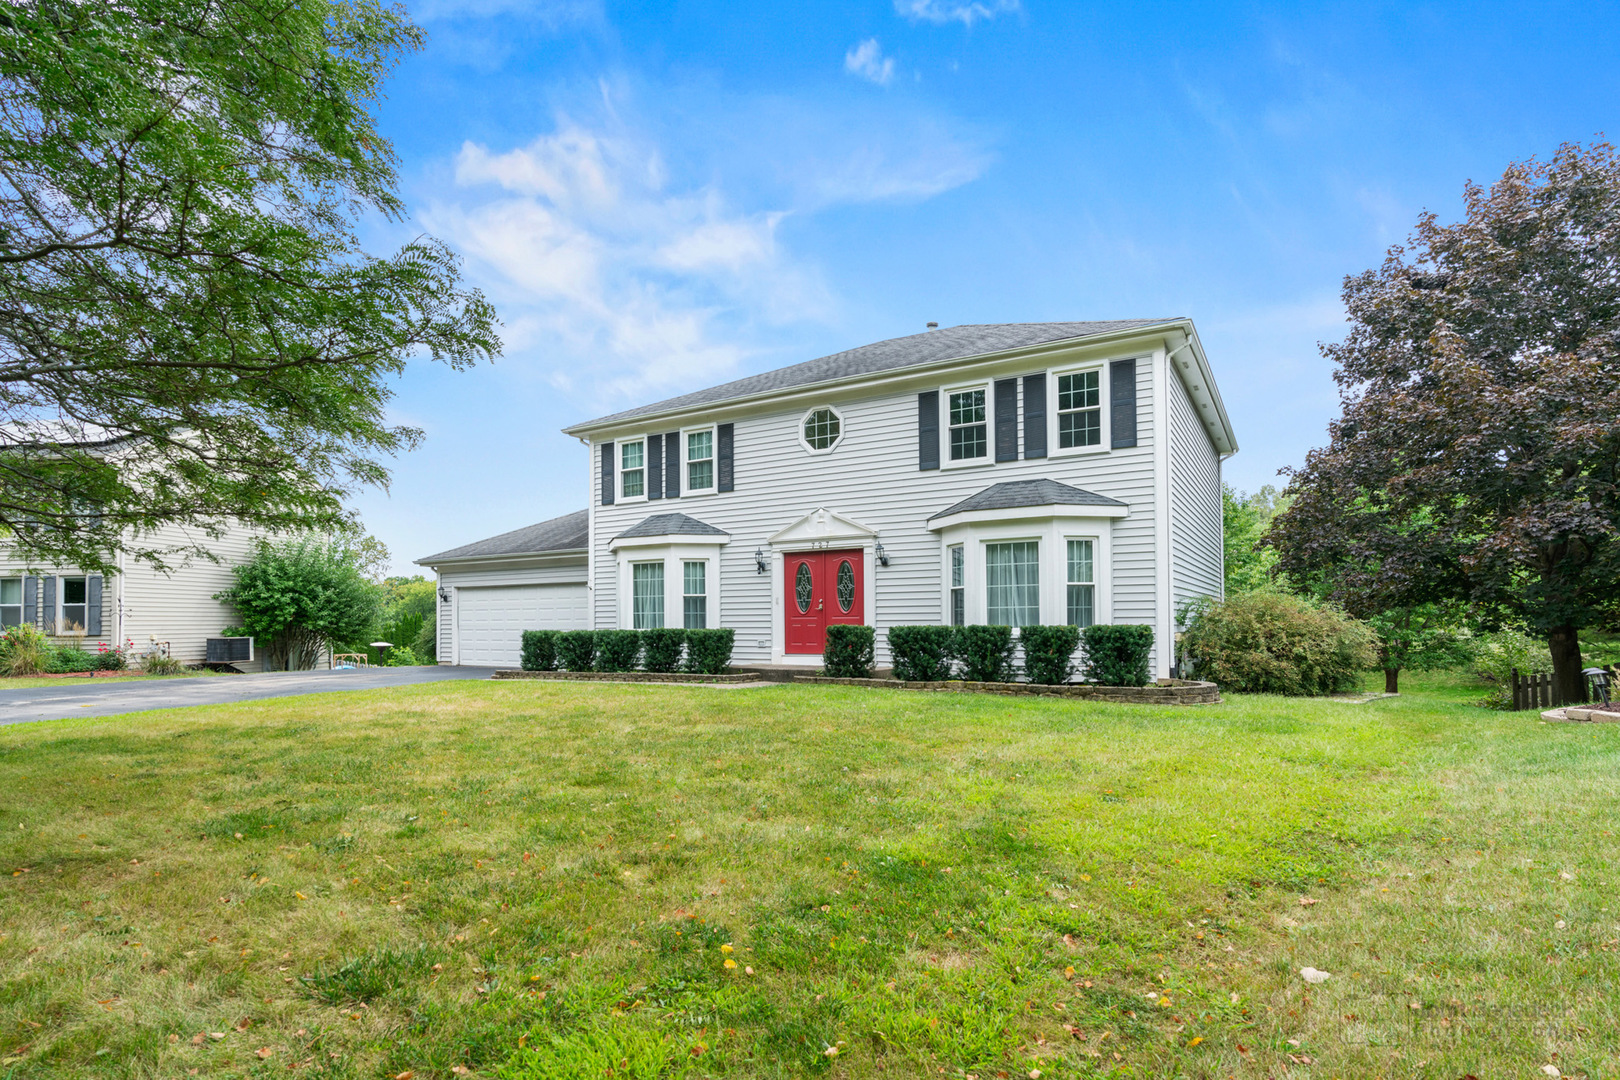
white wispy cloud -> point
(966, 12)
(867, 61)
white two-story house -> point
(1009, 474)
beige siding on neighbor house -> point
(1195, 504)
(872, 477)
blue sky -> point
(666, 195)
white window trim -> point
(22, 601)
(664, 565)
(1053, 531)
(989, 458)
(714, 461)
(1041, 559)
(672, 555)
(843, 427)
(1104, 390)
(618, 464)
(709, 570)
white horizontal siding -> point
(1195, 499)
(872, 477)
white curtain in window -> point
(1012, 575)
(647, 595)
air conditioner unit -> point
(230, 650)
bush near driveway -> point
(617, 650)
(576, 650)
(539, 650)
(489, 869)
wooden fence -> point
(1536, 691)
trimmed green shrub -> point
(1118, 655)
(617, 650)
(921, 653)
(24, 650)
(1269, 642)
(1049, 652)
(985, 652)
(576, 650)
(111, 660)
(708, 652)
(539, 652)
(71, 660)
(662, 649)
(849, 651)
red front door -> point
(822, 587)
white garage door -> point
(491, 619)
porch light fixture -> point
(759, 560)
(444, 594)
(882, 556)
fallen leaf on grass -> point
(264, 1052)
(1306, 901)
(1313, 976)
(216, 1035)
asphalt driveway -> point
(96, 697)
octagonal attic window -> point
(822, 428)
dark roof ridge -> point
(570, 532)
(670, 523)
(1012, 494)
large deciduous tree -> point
(1478, 454)
(190, 328)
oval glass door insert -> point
(801, 588)
(846, 585)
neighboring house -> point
(175, 612)
(1014, 474)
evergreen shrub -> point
(708, 652)
(985, 652)
(539, 651)
(576, 650)
(1049, 652)
(662, 649)
(922, 653)
(849, 651)
(617, 650)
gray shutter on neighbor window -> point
(50, 604)
(92, 605)
(31, 600)
(655, 468)
(1006, 419)
(726, 453)
(672, 465)
(1035, 415)
(928, 429)
(607, 474)
(1122, 402)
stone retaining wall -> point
(624, 676)
(1168, 692)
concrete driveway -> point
(96, 697)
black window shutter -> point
(92, 605)
(672, 465)
(31, 600)
(655, 468)
(726, 452)
(1006, 419)
(1035, 415)
(928, 429)
(607, 474)
(1122, 402)
(50, 605)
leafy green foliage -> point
(157, 663)
(1498, 655)
(298, 597)
(850, 651)
(576, 650)
(181, 279)
(617, 650)
(1247, 563)
(1477, 454)
(539, 650)
(1427, 637)
(1117, 655)
(71, 660)
(662, 649)
(708, 652)
(426, 643)
(1049, 652)
(1269, 642)
(921, 653)
(985, 652)
(111, 660)
(400, 656)
(25, 650)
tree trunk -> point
(1392, 680)
(1569, 687)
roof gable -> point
(1017, 494)
(566, 533)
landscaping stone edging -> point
(1575, 714)
(624, 676)
(1176, 692)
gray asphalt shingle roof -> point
(1016, 493)
(566, 533)
(670, 525)
(933, 346)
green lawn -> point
(554, 880)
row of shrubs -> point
(1114, 655)
(699, 652)
(25, 651)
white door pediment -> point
(821, 526)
